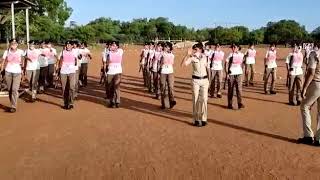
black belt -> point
(315, 80)
(197, 77)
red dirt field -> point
(140, 141)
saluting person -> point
(200, 83)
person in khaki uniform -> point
(311, 95)
(200, 83)
(167, 76)
(294, 63)
(250, 59)
(234, 70)
(270, 69)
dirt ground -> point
(140, 141)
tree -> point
(315, 34)
(285, 31)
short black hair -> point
(33, 42)
(68, 42)
(115, 42)
(198, 45)
(169, 45)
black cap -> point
(114, 42)
(13, 41)
(198, 45)
(68, 42)
(32, 42)
(169, 44)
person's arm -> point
(4, 61)
(187, 59)
(310, 73)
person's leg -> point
(72, 90)
(203, 97)
(15, 89)
(247, 74)
(42, 79)
(266, 79)
(50, 75)
(273, 82)
(117, 82)
(156, 84)
(76, 83)
(30, 78)
(252, 74)
(238, 85)
(230, 91)
(299, 80)
(219, 74)
(85, 74)
(291, 89)
(214, 83)
(312, 95)
(35, 83)
(170, 81)
(45, 77)
(64, 79)
(9, 79)
(163, 79)
(317, 136)
(211, 83)
(110, 89)
(195, 97)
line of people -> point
(42, 67)
(210, 65)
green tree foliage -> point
(315, 34)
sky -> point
(201, 13)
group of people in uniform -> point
(209, 64)
(41, 66)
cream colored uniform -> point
(200, 85)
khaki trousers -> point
(235, 82)
(215, 82)
(68, 88)
(249, 71)
(273, 73)
(312, 96)
(295, 87)
(113, 88)
(13, 82)
(167, 80)
(33, 77)
(200, 99)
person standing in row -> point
(294, 64)
(149, 66)
(234, 70)
(12, 64)
(155, 69)
(67, 65)
(43, 60)
(167, 76)
(76, 51)
(270, 69)
(86, 57)
(144, 57)
(52, 60)
(216, 68)
(311, 95)
(32, 69)
(250, 60)
(104, 67)
(200, 83)
(114, 73)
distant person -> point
(156, 68)
(143, 61)
(104, 67)
(12, 64)
(234, 70)
(250, 61)
(311, 95)
(86, 57)
(52, 60)
(294, 64)
(76, 51)
(150, 58)
(115, 60)
(216, 62)
(67, 65)
(32, 68)
(270, 63)
(200, 83)
(167, 76)
(43, 60)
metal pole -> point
(12, 21)
(27, 26)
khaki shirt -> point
(314, 64)
(199, 65)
